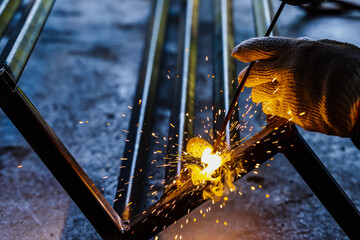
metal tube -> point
(262, 13)
(59, 161)
(187, 90)
(324, 186)
(183, 111)
(17, 51)
(141, 116)
(224, 69)
(7, 11)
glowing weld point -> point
(213, 161)
(206, 168)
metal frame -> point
(38, 133)
(176, 202)
(59, 161)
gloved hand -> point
(316, 84)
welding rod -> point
(242, 83)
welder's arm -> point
(316, 84)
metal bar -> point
(179, 201)
(186, 113)
(323, 185)
(183, 114)
(224, 69)
(7, 11)
(59, 161)
(262, 13)
(17, 51)
(127, 194)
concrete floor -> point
(85, 67)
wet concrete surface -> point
(85, 67)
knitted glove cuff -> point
(355, 131)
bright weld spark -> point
(210, 167)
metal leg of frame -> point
(323, 185)
(58, 160)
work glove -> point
(315, 84)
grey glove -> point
(316, 84)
